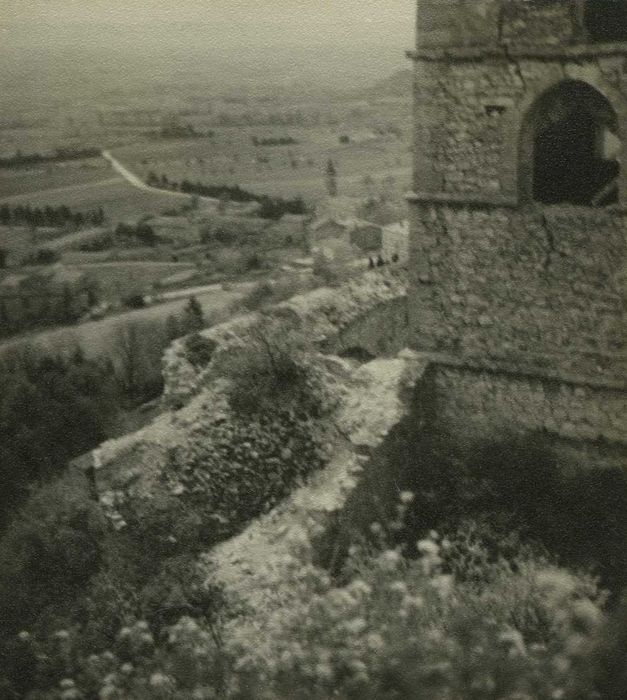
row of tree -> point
(60, 155)
(271, 141)
(54, 217)
(270, 207)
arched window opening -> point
(572, 134)
(605, 20)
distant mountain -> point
(399, 84)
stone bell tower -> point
(519, 207)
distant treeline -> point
(182, 132)
(270, 207)
(56, 217)
(280, 141)
(61, 154)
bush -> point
(50, 550)
(274, 370)
(403, 628)
(134, 301)
(198, 349)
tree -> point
(331, 178)
(193, 318)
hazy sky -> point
(229, 22)
(251, 41)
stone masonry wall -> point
(485, 22)
(470, 114)
(478, 403)
(541, 288)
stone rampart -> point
(538, 287)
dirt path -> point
(136, 181)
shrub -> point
(274, 370)
(51, 549)
(199, 349)
(134, 301)
(403, 628)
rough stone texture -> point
(486, 22)
(368, 312)
(497, 281)
(487, 403)
(470, 114)
(543, 288)
(254, 565)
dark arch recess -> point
(566, 143)
(605, 20)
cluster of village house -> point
(337, 241)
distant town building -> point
(363, 235)
(395, 243)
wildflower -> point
(586, 614)
(356, 625)
(360, 587)
(108, 692)
(412, 601)
(428, 547)
(407, 497)
(62, 634)
(375, 641)
(389, 559)
(376, 528)
(324, 671)
(513, 640)
(357, 666)
(557, 585)
(23, 636)
(485, 683)
(561, 664)
(67, 683)
(443, 585)
(160, 680)
(398, 587)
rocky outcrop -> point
(367, 312)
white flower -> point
(389, 559)
(376, 528)
(428, 547)
(160, 680)
(355, 626)
(398, 587)
(407, 496)
(375, 641)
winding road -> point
(136, 181)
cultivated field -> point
(230, 157)
(117, 280)
(24, 181)
(119, 200)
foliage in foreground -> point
(397, 628)
(405, 629)
(52, 408)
